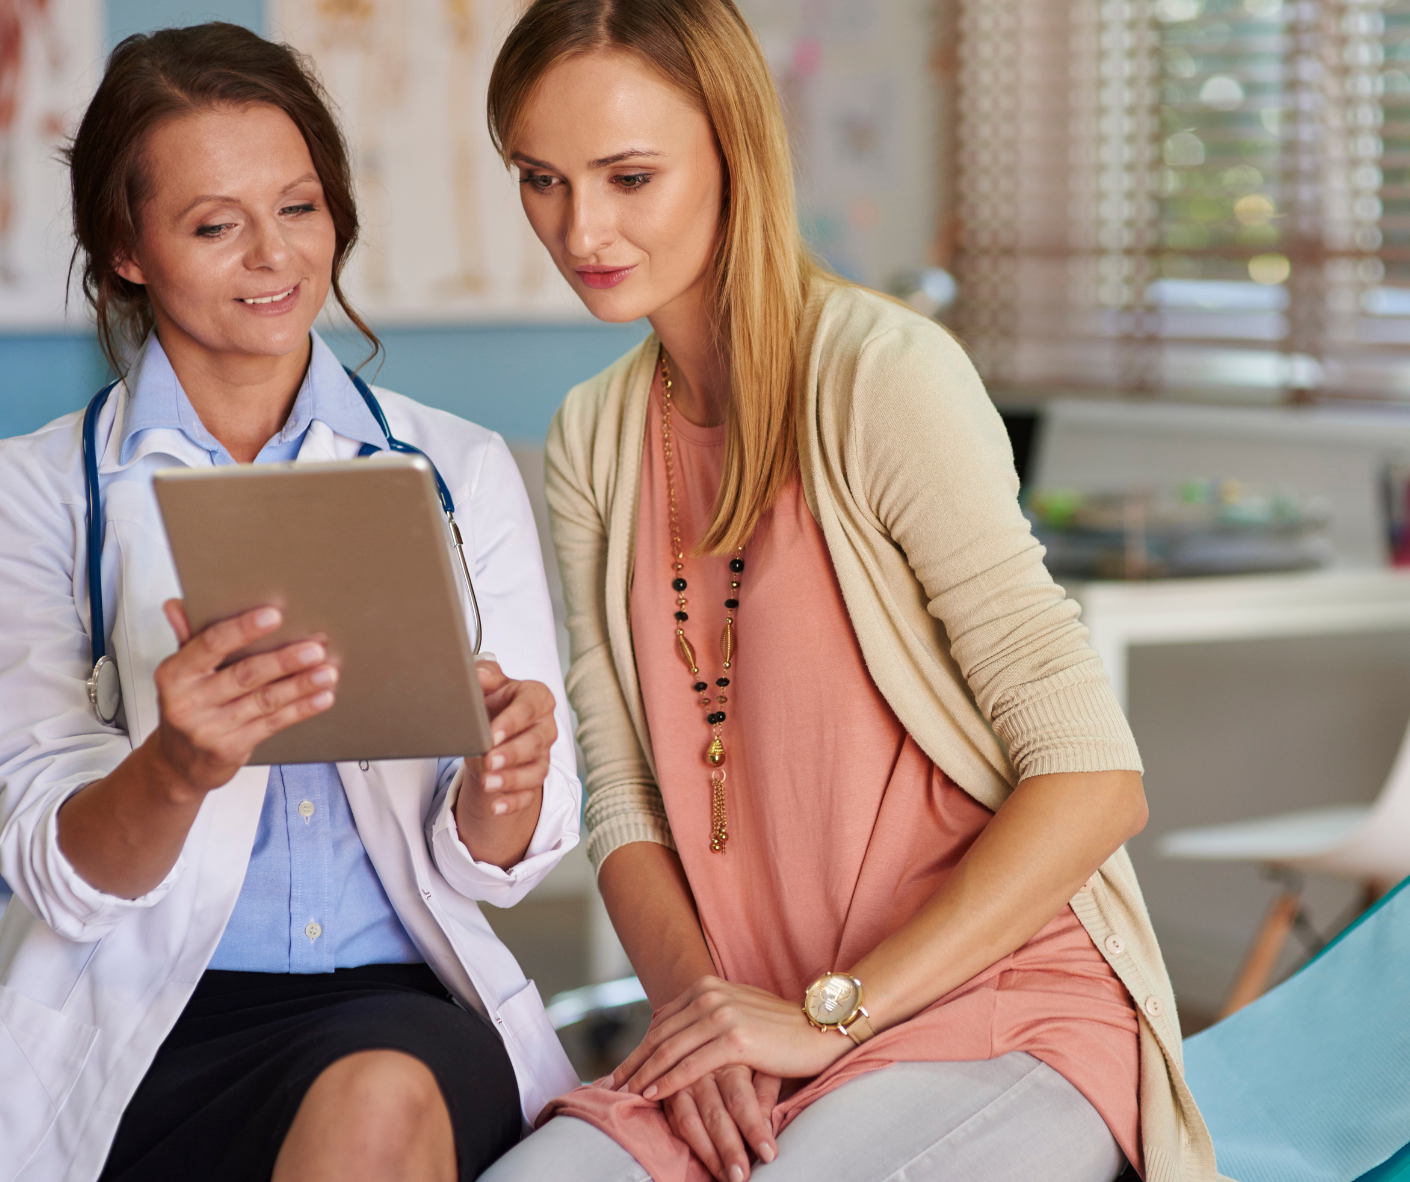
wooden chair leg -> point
(1263, 954)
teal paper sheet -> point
(1311, 1083)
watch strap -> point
(859, 1029)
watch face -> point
(832, 999)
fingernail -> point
(767, 1152)
(650, 1093)
(736, 1174)
(267, 617)
(325, 676)
(500, 808)
(494, 781)
(498, 737)
(603, 1082)
(496, 762)
(322, 701)
(310, 654)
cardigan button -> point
(1115, 946)
(1153, 1007)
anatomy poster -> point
(50, 60)
(444, 236)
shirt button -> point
(315, 929)
(306, 809)
(1153, 1007)
(1114, 945)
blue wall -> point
(510, 377)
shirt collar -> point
(156, 400)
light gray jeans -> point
(1011, 1119)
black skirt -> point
(224, 1087)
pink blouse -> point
(840, 827)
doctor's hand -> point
(212, 718)
(124, 833)
(499, 800)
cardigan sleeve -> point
(623, 801)
(928, 454)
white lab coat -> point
(90, 984)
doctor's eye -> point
(633, 181)
(539, 181)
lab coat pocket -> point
(42, 1053)
(533, 1045)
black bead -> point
(682, 616)
(722, 681)
(700, 687)
(731, 603)
(719, 716)
(736, 564)
(678, 584)
(710, 718)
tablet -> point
(359, 551)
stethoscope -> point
(104, 686)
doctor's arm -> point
(124, 832)
(530, 773)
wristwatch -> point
(834, 1002)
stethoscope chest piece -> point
(105, 690)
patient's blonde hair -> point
(762, 270)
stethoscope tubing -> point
(94, 531)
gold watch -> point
(834, 1002)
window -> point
(1203, 196)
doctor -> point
(210, 970)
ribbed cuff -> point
(622, 814)
(1073, 727)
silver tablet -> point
(356, 550)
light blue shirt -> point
(311, 900)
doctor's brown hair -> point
(151, 78)
(762, 270)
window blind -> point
(1209, 196)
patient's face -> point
(621, 179)
(235, 244)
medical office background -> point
(1173, 234)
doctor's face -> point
(235, 244)
(622, 180)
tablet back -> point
(356, 550)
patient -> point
(858, 786)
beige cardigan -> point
(907, 468)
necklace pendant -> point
(715, 752)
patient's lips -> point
(601, 277)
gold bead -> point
(715, 753)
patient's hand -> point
(717, 1023)
(723, 1113)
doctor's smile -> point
(275, 303)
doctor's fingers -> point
(204, 652)
(253, 733)
(517, 707)
(265, 669)
(526, 747)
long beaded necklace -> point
(715, 719)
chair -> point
(1311, 1082)
(1368, 843)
